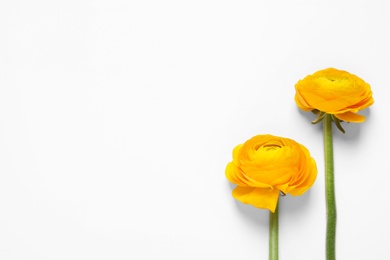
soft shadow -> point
(309, 117)
(294, 204)
(352, 130)
(258, 217)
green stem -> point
(274, 234)
(329, 190)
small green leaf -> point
(337, 122)
(319, 118)
(315, 111)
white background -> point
(117, 119)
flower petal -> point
(258, 197)
(350, 117)
(301, 102)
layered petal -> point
(266, 165)
(335, 92)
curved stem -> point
(274, 234)
(329, 190)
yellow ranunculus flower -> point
(266, 165)
(335, 92)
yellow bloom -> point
(266, 165)
(335, 92)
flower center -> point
(271, 147)
(268, 146)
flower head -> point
(334, 92)
(266, 165)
